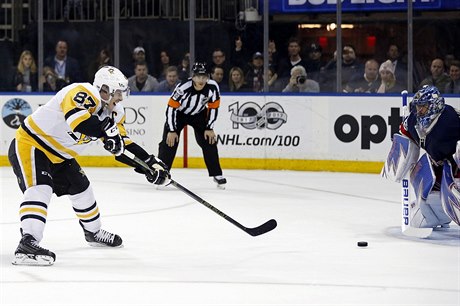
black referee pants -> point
(198, 122)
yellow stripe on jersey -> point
(79, 102)
(24, 138)
(56, 145)
(123, 132)
(25, 158)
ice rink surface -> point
(178, 252)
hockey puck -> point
(362, 243)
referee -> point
(194, 102)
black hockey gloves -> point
(158, 174)
(113, 141)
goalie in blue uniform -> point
(433, 127)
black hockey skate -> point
(102, 238)
(30, 253)
(221, 181)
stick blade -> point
(262, 229)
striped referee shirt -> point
(187, 100)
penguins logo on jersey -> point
(14, 112)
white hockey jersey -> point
(51, 128)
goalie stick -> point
(254, 231)
(408, 211)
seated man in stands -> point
(299, 82)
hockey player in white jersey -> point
(43, 159)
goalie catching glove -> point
(112, 141)
(158, 174)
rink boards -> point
(310, 132)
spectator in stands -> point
(273, 58)
(26, 77)
(239, 56)
(65, 67)
(448, 58)
(388, 80)
(437, 78)
(171, 80)
(51, 81)
(394, 56)
(453, 86)
(138, 55)
(255, 73)
(315, 61)
(273, 84)
(369, 82)
(237, 82)
(350, 66)
(142, 80)
(164, 63)
(293, 59)
(219, 59)
(217, 74)
(184, 67)
(299, 81)
(104, 58)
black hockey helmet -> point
(199, 68)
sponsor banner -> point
(311, 6)
(307, 127)
(317, 127)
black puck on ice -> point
(362, 243)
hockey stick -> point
(255, 231)
(407, 209)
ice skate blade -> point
(221, 186)
(102, 245)
(32, 260)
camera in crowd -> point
(301, 79)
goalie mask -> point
(111, 79)
(429, 97)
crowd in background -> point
(299, 71)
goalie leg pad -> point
(422, 178)
(450, 194)
(433, 212)
(401, 158)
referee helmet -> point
(199, 68)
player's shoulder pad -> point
(92, 89)
(89, 88)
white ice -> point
(178, 252)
